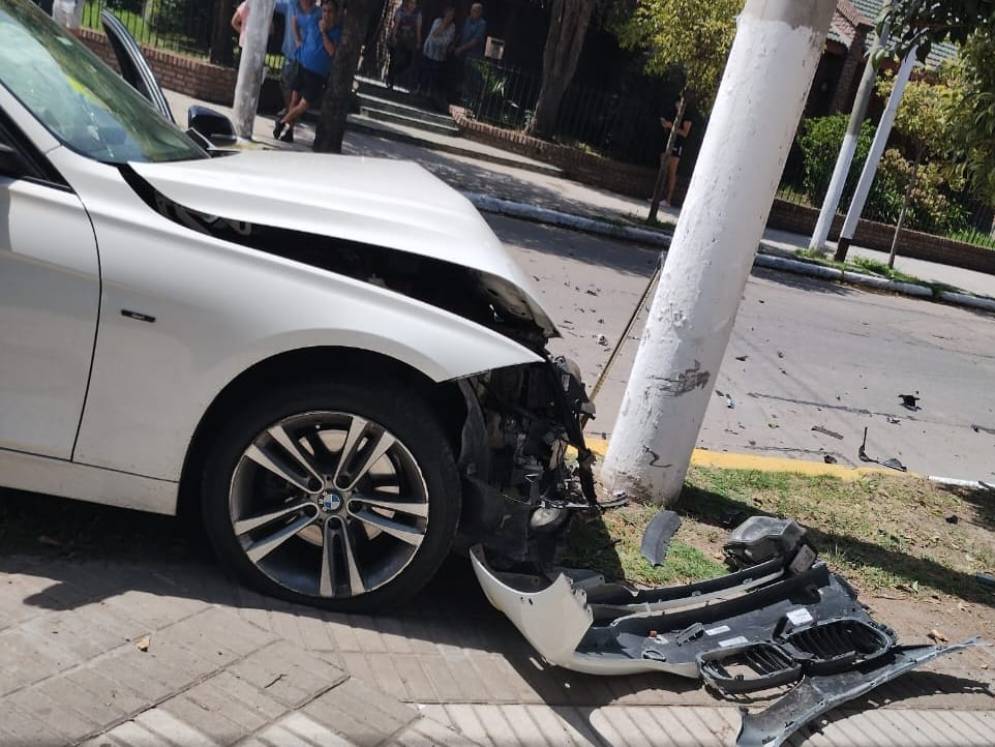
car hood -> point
(392, 204)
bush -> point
(189, 18)
(132, 6)
(932, 208)
(820, 143)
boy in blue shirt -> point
(295, 14)
(319, 39)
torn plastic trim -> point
(609, 601)
(818, 695)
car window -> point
(80, 100)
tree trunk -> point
(568, 24)
(905, 206)
(337, 102)
(222, 49)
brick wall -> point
(634, 181)
(194, 77)
(637, 181)
(788, 216)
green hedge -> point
(933, 207)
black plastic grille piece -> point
(755, 667)
(840, 643)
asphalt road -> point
(817, 355)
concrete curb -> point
(754, 463)
(536, 214)
(660, 239)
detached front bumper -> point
(786, 621)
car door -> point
(49, 300)
(133, 66)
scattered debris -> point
(773, 425)
(656, 539)
(894, 421)
(143, 644)
(273, 681)
(953, 519)
(937, 636)
(730, 403)
(894, 464)
(603, 341)
(910, 401)
(829, 459)
(827, 432)
(591, 292)
(780, 354)
(889, 463)
(742, 358)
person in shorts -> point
(673, 159)
(295, 14)
(319, 39)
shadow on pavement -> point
(94, 553)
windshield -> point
(77, 97)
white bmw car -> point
(332, 360)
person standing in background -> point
(240, 21)
(435, 51)
(470, 47)
(405, 39)
(295, 13)
(473, 35)
(673, 159)
(319, 41)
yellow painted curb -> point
(752, 462)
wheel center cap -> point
(331, 501)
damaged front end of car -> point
(524, 462)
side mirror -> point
(212, 126)
(11, 163)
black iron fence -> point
(615, 124)
(180, 25)
(964, 218)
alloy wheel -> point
(328, 504)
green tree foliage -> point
(970, 115)
(921, 23)
(692, 35)
(820, 143)
(931, 207)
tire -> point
(363, 551)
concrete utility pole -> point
(761, 99)
(251, 68)
(874, 157)
(836, 185)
